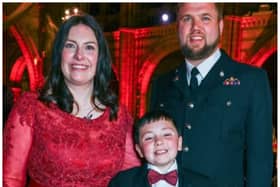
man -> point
(224, 111)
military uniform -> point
(226, 122)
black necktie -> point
(194, 83)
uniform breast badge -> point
(231, 81)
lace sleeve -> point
(16, 144)
(131, 159)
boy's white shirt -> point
(163, 183)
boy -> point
(157, 141)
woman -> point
(73, 133)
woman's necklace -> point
(89, 115)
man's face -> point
(199, 29)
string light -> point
(67, 12)
(70, 12)
(76, 10)
(165, 17)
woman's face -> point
(79, 56)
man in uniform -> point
(223, 108)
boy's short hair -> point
(150, 117)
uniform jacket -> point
(225, 123)
(136, 177)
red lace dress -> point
(56, 149)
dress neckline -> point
(102, 117)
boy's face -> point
(158, 143)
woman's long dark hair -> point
(56, 91)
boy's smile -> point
(159, 143)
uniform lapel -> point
(215, 76)
(180, 80)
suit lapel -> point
(143, 179)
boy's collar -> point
(171, 168)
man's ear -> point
(139, 151)
(180, 142)
(221, 26)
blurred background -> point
(143, 43)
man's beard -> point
(203, 53)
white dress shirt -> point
(203, 67)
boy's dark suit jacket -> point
(222, 125)
(136, 177)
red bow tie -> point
(170, 177)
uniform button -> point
(188, 126)
(228, 103)
(191, 105)
(186, 149)
(161, 105)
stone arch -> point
(160, 50)
(264, 53)
(30, 60)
